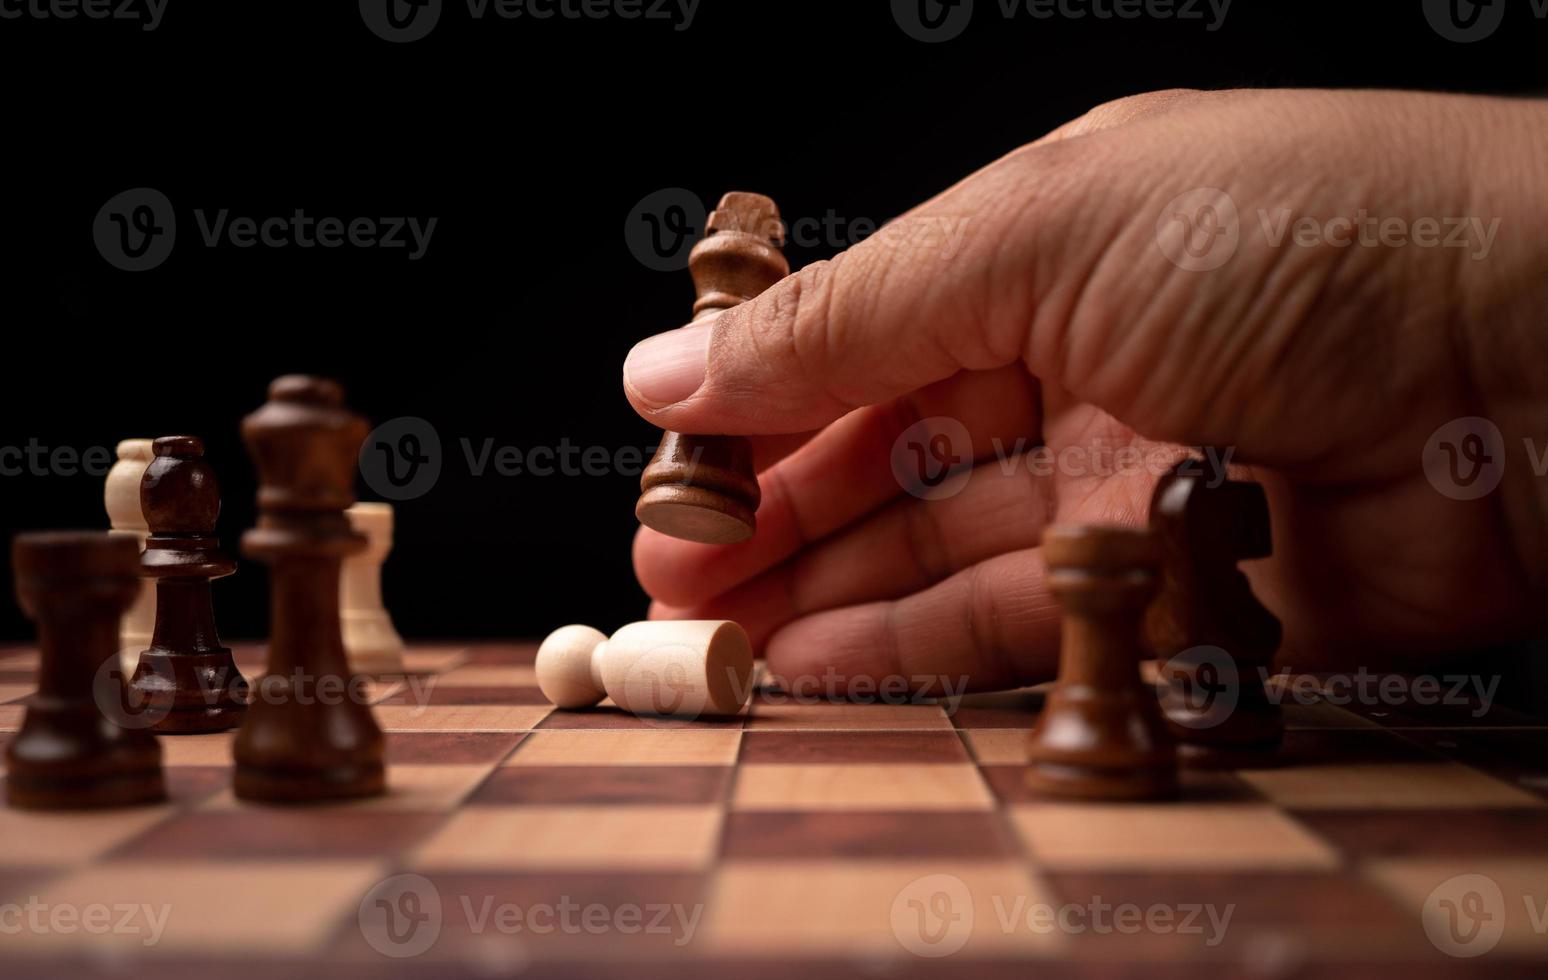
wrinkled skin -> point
(1059, 316)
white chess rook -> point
(681, 668)
(371, 642)
(121, 496)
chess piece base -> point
(1082, 782)
(372, 645)
(201, 692)
(293, 785)
(696, 514)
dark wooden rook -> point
(703, 487)
(186, 681)
(308, 735)
(1100, 735)
(1214, 640)
(70, 752)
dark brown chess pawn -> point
(70, 753)
(703, 487)
(308, 734)
(186, 681)
(1100, 735)
(1214, 640)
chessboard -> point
(835, 838)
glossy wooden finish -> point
(186, 680)
(70, 754)
(703, 487)
(1214, 640)
(1100, 735)
(307, 736)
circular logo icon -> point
(1465, 458)
(1199, 230)
(135, 229)
(401, 458)
(1202, 687)
(400, 916)
(400, 21)
(932, 458)
(1464, 21)
(932, 21)
(663, 227)
(134, 706)
(659, 689)
(1465, 915)
(932, 916)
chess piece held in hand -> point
(685, 669)
(703, 487)
(1100, 735)
(186, 680)
(308, 734)
(69, 753)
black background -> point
(530, 141)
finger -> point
(840, 476)
(992, 626)
(908, 546)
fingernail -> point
(664, 369)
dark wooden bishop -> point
(70, 752)
(1213, 639)
(308, 735)
(186, 681)
(1100, 735)
(703, 487)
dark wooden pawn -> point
(1213, 639)
(703, 487)
(186, 681)
(308, 735)
(70, 752)
(1100, 735)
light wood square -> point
(11, 717)
(410, 788)
(433, 659)
(1486, 907)
(460, 717)
(218, 908)
(997, 746)
(963, 910)
(860, 787)
(44, 839)
(213, 749)
(1167, 837)
(1385, 785)
(568, 838)
(838, 716)
(625, 747)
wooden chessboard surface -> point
(856, 839)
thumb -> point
(939, 290)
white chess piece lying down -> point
(686, 669)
